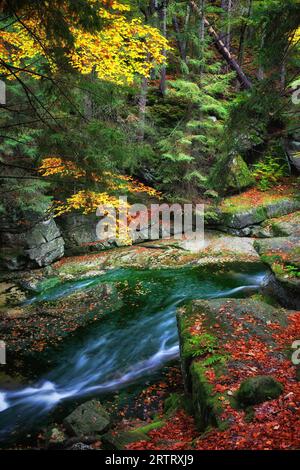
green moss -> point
(118, 440)
(48, 284)
(206, 405)
(172, 403)
(177, 401)
(267, 299)
(148, 427)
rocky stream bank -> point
(239, 387)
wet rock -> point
(88, 419)
(293, 148)
(242, 219)
(258, 389)
(80, 446)
(42, 233)
(118, 440)
(286, 226)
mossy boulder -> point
(258, 389)
(231, 175)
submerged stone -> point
(88, 419)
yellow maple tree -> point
(118, 52)
(86, 201)
(114, 182)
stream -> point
(127, 346)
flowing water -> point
(127, 346)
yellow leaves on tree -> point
(296, 37)
(88, 201)
(120, 50)
(66, 168)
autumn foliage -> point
(122, 49)
(87, 201)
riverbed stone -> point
(88, 419)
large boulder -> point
(286, 226)
(88, 419)
(80, 235)
(45, 243)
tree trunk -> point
(180, 43)
(261, 71)
(243, 35)
(202, 35)
(220, 46)
(186, 25)
(162, 84)
(225, 35)
(142, 109)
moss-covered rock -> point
(205, 401)
(209, 334)
(231, 175)
(282, 255)
(258, 389)
(118, 440)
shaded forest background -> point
(151, 96)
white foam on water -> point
(3, 403)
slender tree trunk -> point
(261, 72)
(243, 35)
(220, 46)
(142, 102)
(202, 35)
(162, 84)
(180, 43)
(225, 35)
(186, 25)
(282, 75)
